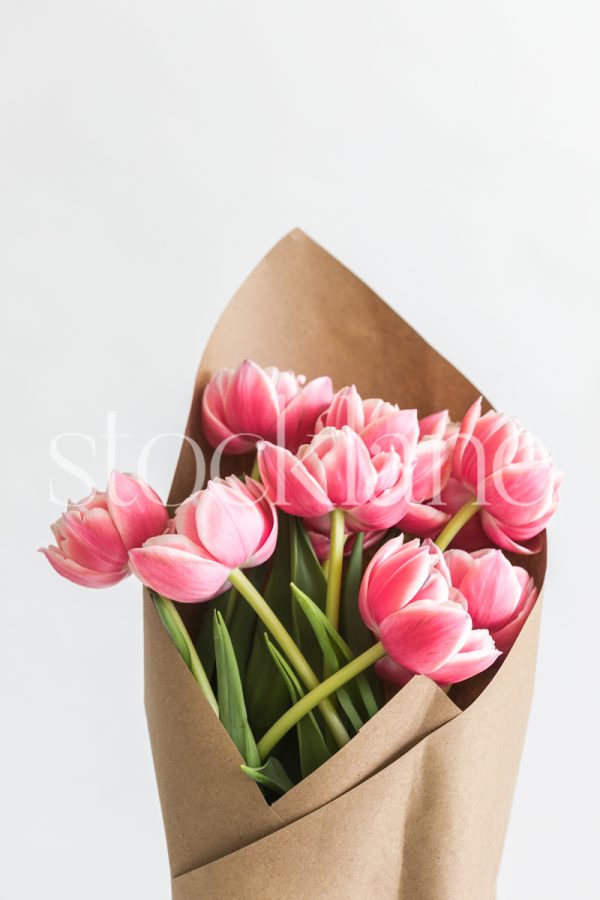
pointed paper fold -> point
(416, 806)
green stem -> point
(287, 644)
(336, 562)
(458, 521)
(179, 635)
(316, 696)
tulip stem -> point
(175, 626)
(458, 521)
(316, 696)
(287, 644)
(334, 570)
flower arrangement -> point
(359, 547)
(447, 614)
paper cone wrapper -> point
(416, 805)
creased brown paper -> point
(416, 805)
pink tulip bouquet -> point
(329, 630)
(307, 568)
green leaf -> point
(337, 652)
(306, 568)
(267, 699)
(272, 776)
(172, 628)
(232, 708)
(352, 626)
(205, 644)
(307, 574)
(319, 622)
(357, 635)
(242, 628)
(311, 743)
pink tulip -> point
(422, 621)
(334, 471)
(510, 473)
(94, 536)
(477, 654)
(244, 405)
(228, 525)
(433, 463)
(381, 425)
(390, 434)
(499, 596)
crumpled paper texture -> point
(416, 806)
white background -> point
(150, 154)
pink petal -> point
(432, 469)
(230, 523)
(268, 539)
(505, 637)
(436, 588)
(346, 409)
(80, 575)
(477, 655)
(385, 508)
(95, 500)
(389, 468)
(185, 518)
(422, 520)
(172, 566)
(498, 536)
(397, 429)
(459, 565)
(464, 436)
(251, 402)
(214, 417)
(135, 508)
(287, 385)
(301, 414)
(493, 445)
(351, 476)
(425, 634)
(391, 580)
(93, 540)
(519, 493)
(434, 425)
(388, 670)
(289, 485)
(492, 590)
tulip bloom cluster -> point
(336, 476)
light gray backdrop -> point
(150, 153)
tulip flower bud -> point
(407, 600)
(499, 596)
(244, 405)
(334, 471)
(94, 536)
(511, 475)
(228, 525)
(390, 435)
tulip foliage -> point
(366, 547)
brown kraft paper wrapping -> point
(416, 805)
